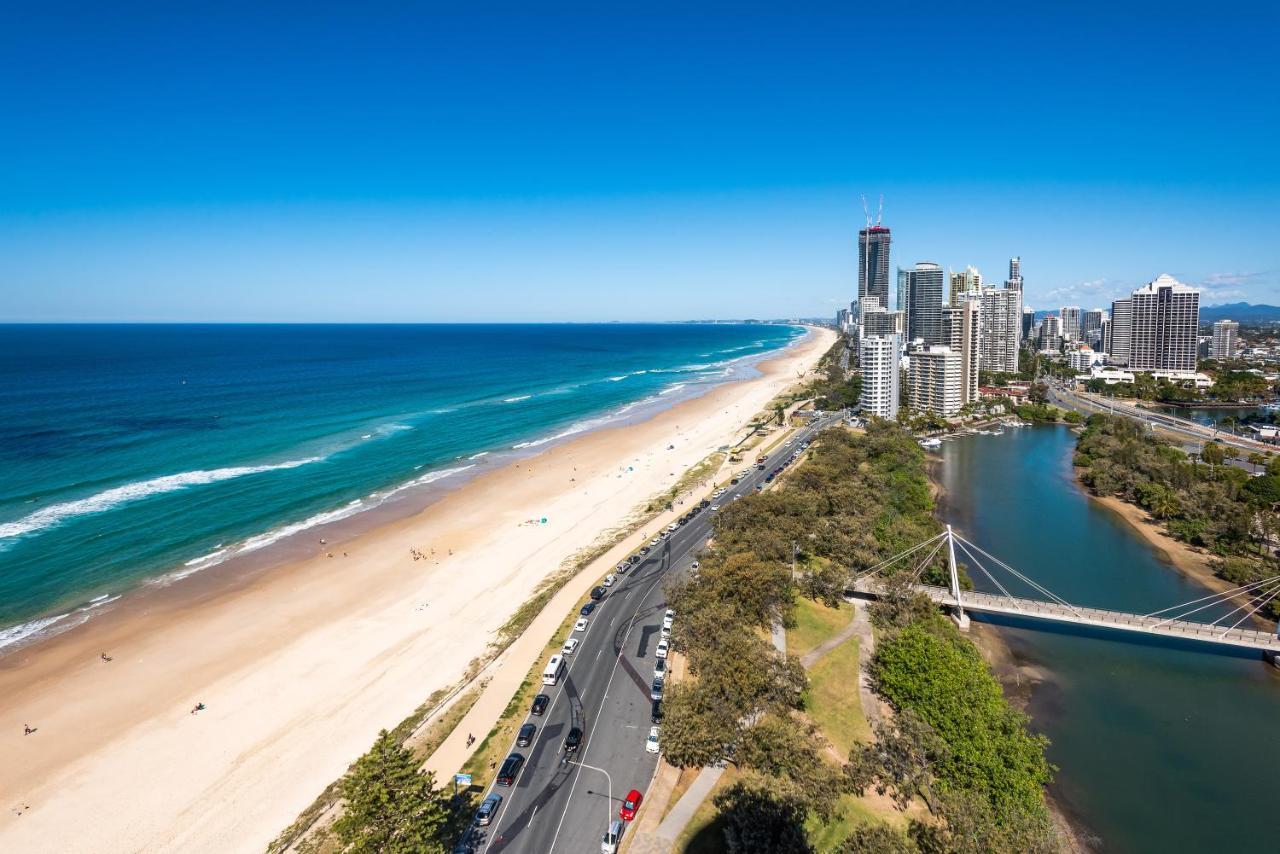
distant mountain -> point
(1241, 312)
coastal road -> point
(558, 806)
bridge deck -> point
(992, 603)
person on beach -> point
(105, 657)
(27, 729)
(199, 707)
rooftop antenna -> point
(880, 213)
(865, 211)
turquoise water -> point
(133, 452)
(1161, 747)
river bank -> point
(298, 667)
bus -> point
(555, 666)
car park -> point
(488, 809)
(581, 625)
(569, 646)
(527, 733)
(510, 769)
(540, 704)
(631, 805)
(664, 646)
(586, 609)
(651, 743)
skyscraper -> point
(961, 328)
(935, 381)
(965, 285)
(904, 286)
(1014, 282)
(1051, 333)
(873, 263)
(924, 301)
(1091, 327)
(1119, 332)
(1223, 345)
(1070, 316)
(1028, 320)
(1165, 326)
(1001, 328)
(878, 359)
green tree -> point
(761, 817)
(900, 762)
(877, 839)
(391, 805)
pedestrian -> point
(27, 729)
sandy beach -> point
(301, 665)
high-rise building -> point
(904, 297)
(1165, 326)
(877, 320)
(1119, 332)
(934, 385)
(1051, 333)
(1014, 282)
(1001, 327)
(1028, 320)
(924, 301)
(965, 285)
(1091, 321)
(1070, 316)
(961, 329)
(873, 263)
(1223, 345)
(878, 361)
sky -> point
(541, 162)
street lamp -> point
(608, 810)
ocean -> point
(141, 454)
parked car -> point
(608, 580)
(586, 609)
(651, 743)
(655, 713)
(665, 631)
(597, 593)
(655, 691)
(569, 646)
(540, 704)
(664, 646)
(668, 619)
(581, 625)
(660, 669)
(510, 769)
(714, 507)
(612, 835)
(488, 809)
(631, 805)
(527, 733)
(644, 550)
(573, 741)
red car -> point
(630, 805)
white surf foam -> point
(54, 514)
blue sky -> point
(372, 162)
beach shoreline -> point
(299, 666)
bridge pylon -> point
(961, 618)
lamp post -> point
(609, 807)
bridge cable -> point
(1008, 595)
(1046, 591)
(1215, 599)
(1273, 591)
(1274, 594)
(920, 569)
(898, 557)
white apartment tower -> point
(1223, 345)
(1165, 326)
(935, 381)
(961, 331)
(1001, 329)
(1070, 316)
(1014, 282)
(878, 360)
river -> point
(1160, 746)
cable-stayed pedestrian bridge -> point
(1230, 628)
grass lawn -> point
(833, 702)
(703, 833)
(850, 813)
(815, 623)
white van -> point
(551, 674)
(609, 842)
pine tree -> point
(391, 805)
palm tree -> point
(1256, 459)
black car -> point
(586, 609)
(733, 482)
(540, 704)
(526, 734)
(597, 593)
(573, 741)
(644, 550)
(704, 503)
(484, 815)
(510, 769)
(633, 560)
(656, 715)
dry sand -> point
(299, 667)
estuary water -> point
(136, 453)
(1161, 747)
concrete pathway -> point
(780, 638)
(873, 708)
(662, 840)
